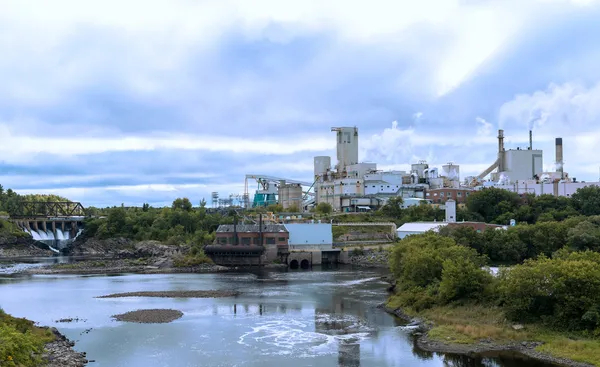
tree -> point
(492, 203)
(393, 207)
(182, 204)
(324, 208)
(586, 200)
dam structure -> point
(53, 224)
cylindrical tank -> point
(419, 168)
(295, 196)
(283, 193)
(451, 171)
(322, 164)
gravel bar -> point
(153, 316)
(174, 294)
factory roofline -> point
(268, 228)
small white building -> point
(408, 229)
(310, 236)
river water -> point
(296, 318)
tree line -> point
(561, 292)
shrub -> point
(562, 292)
(21, 343)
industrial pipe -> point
(530, 140)
(559, 157)
(500, 150)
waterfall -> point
(55, 241)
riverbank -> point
(369, 257)
(121, 266)
(477, 330)
(15, 247)
(22, 343)
(60, 353)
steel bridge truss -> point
(28, 209)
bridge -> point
(49, 220)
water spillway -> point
(55, 233)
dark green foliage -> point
(528, 241)
(177, 225)
(587, 200)
(494, 205)
(432, 269)
(563, 292)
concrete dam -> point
(54, 224)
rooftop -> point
(421, 226)
(269, 228)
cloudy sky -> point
(131, 101)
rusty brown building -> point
(249, 244)
(440, 196)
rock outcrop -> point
(20, 246)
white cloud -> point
(138, 41)
(16, 147)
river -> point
(296, 318)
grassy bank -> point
(21, 342)
(471, 324)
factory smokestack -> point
(559, 157)
(500, 150)
(530, 140)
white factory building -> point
(352, 186)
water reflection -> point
(303, 318)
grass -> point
(472, 323)
(21, 342)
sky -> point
(129, 102)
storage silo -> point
(322, 164)
(283, 195)
(347, 146)
(451, 171)
(419, 168)
(294, 196)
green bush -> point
(432, 269)
(563, 292)
(195, 257)
(21, 343)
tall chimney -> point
(500, 150)
(530, 140)
(559, 157)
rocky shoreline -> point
(421, 327)
(60, 353)
(369, 258)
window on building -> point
(246, 240)
(442, 194)
(281, 239)
(230, 240)
(222, 240)
(255, 240)
(459, 194)
(270, 240)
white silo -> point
(321, 164)
(419, 168)
(450, 211)
(451, 171)
(347, 146)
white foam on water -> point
(286, 337)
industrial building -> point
(354, 186)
